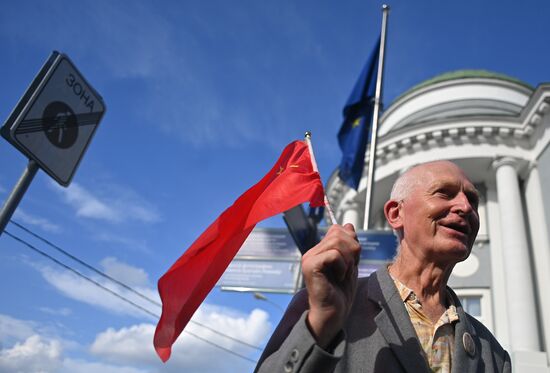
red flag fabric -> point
(182, 289)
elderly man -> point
(402, 318)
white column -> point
(541, 247)
(351, 214)
(521, 302)
(498, 287)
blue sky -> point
(202, 96)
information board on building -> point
(269, 260)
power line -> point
(221, 347)
(30, 246)
(90, 267)
(141, 295)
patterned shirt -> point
(437, 340)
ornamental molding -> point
(506, 161)
(490, 136)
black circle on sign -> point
(60, 125)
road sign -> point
(56, 118)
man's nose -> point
(462, 204)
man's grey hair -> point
(403, 185)
(407, 181)
(401, 189)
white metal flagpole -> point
(314, 165)
(374, 130)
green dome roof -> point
(464, 74)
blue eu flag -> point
(355, 131)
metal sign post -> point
(52, 124)
(17, 194)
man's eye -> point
(474, 201)
(443, 193)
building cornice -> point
(512, 135)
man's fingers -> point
(340, 236)
(335, 254)
(349, 227)
(334, 264)
(349, 251)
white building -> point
(497, 129)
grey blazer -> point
(377, 337)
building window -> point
(477, 303)
(483, 233)
(472, 305)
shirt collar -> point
(407, 294)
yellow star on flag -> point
(281, 168)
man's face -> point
(439, 216)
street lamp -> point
(260, 296)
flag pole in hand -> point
(314, 165)
(290, 182)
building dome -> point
(457, 94)
(464, 74)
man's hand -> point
(330, 273)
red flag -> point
(183, 288)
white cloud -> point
(129, 242)
(87, 205)
(126, 56)
(42, 223)
(116, 24)
(133, 345)
(126, 345)
(130, 275)
(83, 366)
(78, 288)
(64, 311)
(117, 205)
(35, 354)
(14, 328)
(130, 349)
(39, 355)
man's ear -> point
(392, 211)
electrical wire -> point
(141, 295)
(37, 250)
(90, 267)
